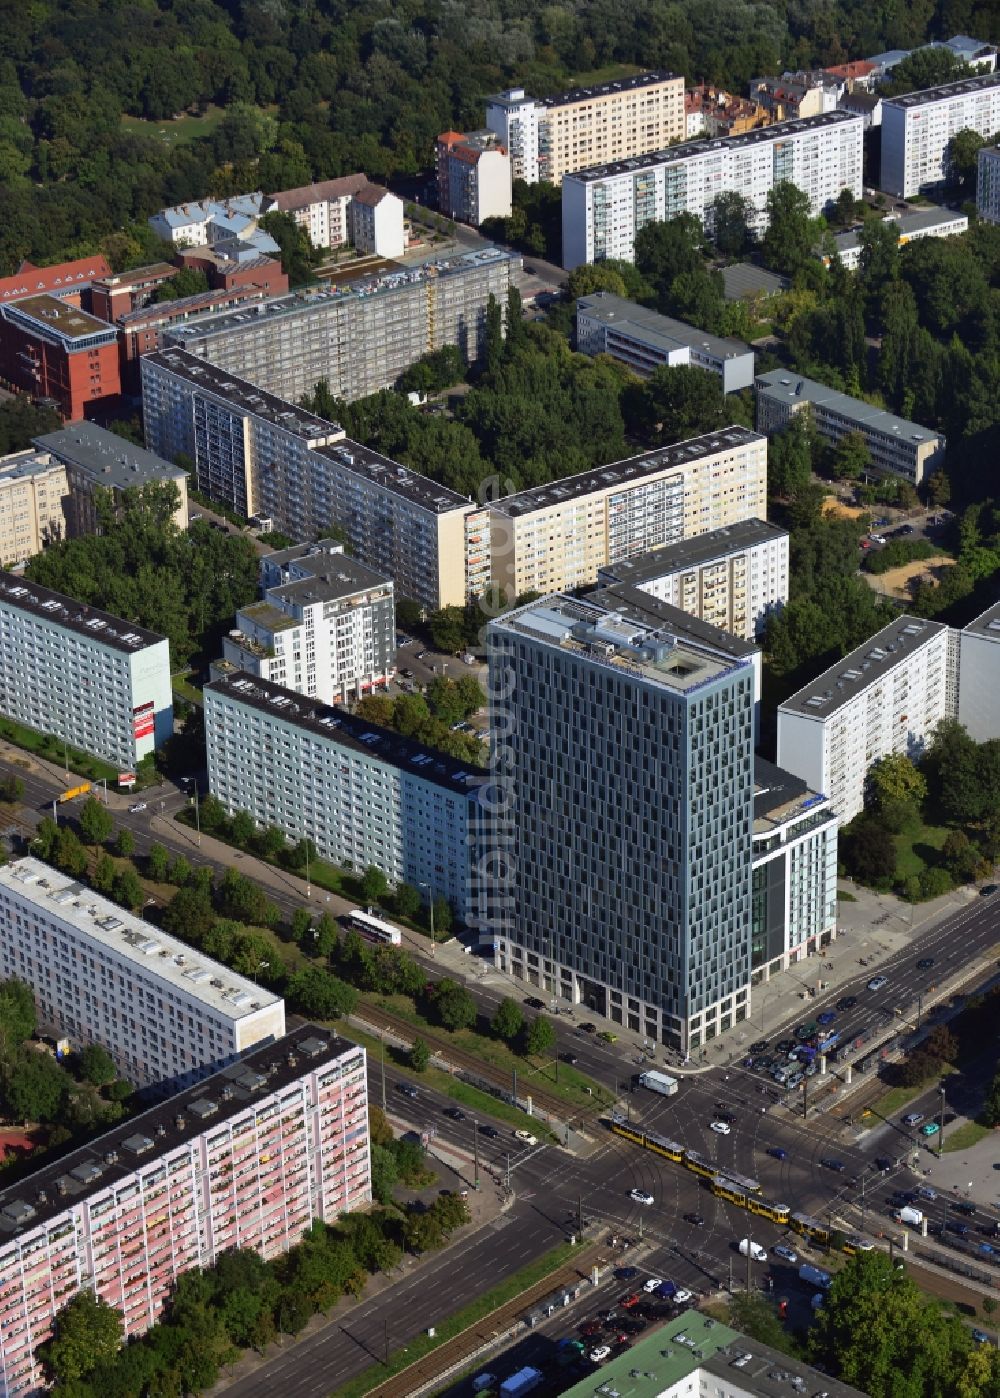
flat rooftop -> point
(22, 465)
(245, 396)
(316, 302)
(395, 477)
(688, 150)
(986, 624)
(907, 225)
(867, 665)
(692, 553)
(105, 456)
(655, 329)
(964, 87)
(100, 627)
(640, 606)
(743, 279)
(338, 726)
(626, 472)
(785, 386)
(65, 320)
(513, 97)
(140, 1141)
(634, 639)
(201, 303)
(692, 1343)
(138, 276)
(779, 796)
(332, 577)
(160, 956)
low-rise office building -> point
(897, 446)
(732, 578)
(794, 871)
(473, 176)
(364, 795)
(262, 455)
(988, 184)
(100, 683)
(979, 675)
(250, 1158)
(358, 338)
(549, 137)
(886, 697)
(51, 350)
(168, 1015)
(917, 129)
(605, 206)
(326, 626)
(559, 536)
(96, 460)
(644, 340)
(924, 223)
(33, 505)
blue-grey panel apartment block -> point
(623, 767)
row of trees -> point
(429, 717)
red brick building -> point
(50, 349)
(120, 292)
(226, 273)
(70, 281)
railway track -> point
(450, 1356)
(441, 1045)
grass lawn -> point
(965, 1136)
(182, 686)
(913, 845)
(461, 1320)
(185, 128)
(897, 1097)
(53, 750)
(571, 1086)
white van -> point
(755, 1250)
(909, 1215)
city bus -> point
(373, 929)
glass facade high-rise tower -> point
(623, 787)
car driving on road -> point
(786, 1254)
(639, 1196)
(878, 982)
(526, 1138)
(721, 1128)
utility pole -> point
(513, 1084)
(940, 1148)
(640, 1228)
(579, 1213)
(197, 814)
(508, 1170)
(730, 1274)
(381, 1045)
(805, 1098)
(749, 1263)
(475, 1148)
(863, 1178)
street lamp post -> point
(475, 1149)
(940, 1148)
(430, 904)
(197, 814)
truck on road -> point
(815, 1276)
(658, 1082)
(526, 1380)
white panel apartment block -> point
(644, 340)
(166, 1014)
(918, 127)
(979, 675)
(100, 683)
(264, 455)
(885, 697)
(250, 1158)
(988, 184)
(364, 795)
(732, 578)
(559, 536)
(604, 207)
(357, 339)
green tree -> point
(374, 884)
(97, 1066)
(447, 628)
(301, 926)
(128, 889)
(317, 994)
(991, 1106)
(894, 780)
(540, 1036)
(189, 915)
(751, 1314)
(17, 1016)
(242, 830)
(86, 1333)
(238, 897)
(104, 874)
(385, 1176)
(443, 917)
(34, 1087)
(663, 251)
(791, 233)
(419, 1055)
(189, 281)
(682, 402)
(926, 67)
(454, 1006)
(879, 258)
(408, 900)
(730, 218)
(508, 1020)
(158, 863)
(591, 277)
(789, 457)
(298, 256)
(69, 854)
(327, 936)
(95, 821)
(851, 456)
(180, 871)
(125, 843)
(11, 790)
(868, 850)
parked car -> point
(626, 1274)
(913, 1118)
(136, 807)
(683, 1296)
(533, 1003)
(652, 1284)
(598, 1355)
(631, 1299)
(758, 1046)
(929, 1128)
